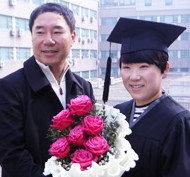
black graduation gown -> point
(161, 139)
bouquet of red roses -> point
(89, 140)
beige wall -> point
(9, 67)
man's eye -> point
(39, 32)
(57, 32)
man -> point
(31, 96)
(160, 126)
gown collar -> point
(152, 105)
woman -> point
(160, 126)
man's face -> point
(143, 81)
(51, 39)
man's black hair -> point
(53, 7)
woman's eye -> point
(144, 66)
(126, 67)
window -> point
(93, 73)
(75, 9)
(84, 33)
(103, 71)
(22, 23)
(126, 2)
(93, 54)
(93, 34)
(184, 18)
(85, 74)
(37, 1)
(85, 54)
(147, 2)
(6, 53)
(52, 0)
(104, 54)
(114, 71)
(25, 0)
(173, 54)
(169, 19)
(185, 36)
(84, 12)
(109, 21)
(75, 53)
(184, 54)
(93, 14)
(168, 2)
(22, 53)
(149, 18)
(103, 37)
(77, 30)
(108, 3)
(64, 3)
(114, 54)
(173, 69)
(184, 69)
(6, 22)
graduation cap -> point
(136, 35)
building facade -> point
(15, 37)
(167, 11)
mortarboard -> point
(136, 35)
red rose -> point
(60, 148)
(80, 105)
(97, 145)
(62, 120)
(84, 158)
(76, 135)
(93, 125)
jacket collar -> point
(73, 87)
(37, 80)
(34, 75)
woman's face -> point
(143, 81)
(51, 39)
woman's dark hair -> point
(53, 7)
(158, 58)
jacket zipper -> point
(60, 90)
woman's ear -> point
(166, 71)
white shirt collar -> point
(58, 88)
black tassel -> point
(107, 80)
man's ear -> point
(73, 36)
(166, 71)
